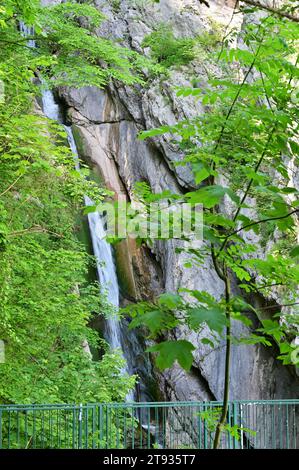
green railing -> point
(179, 425)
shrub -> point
(167, 49)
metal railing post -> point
(80, 427)
(235, 423)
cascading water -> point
(116, 332)
(101, 249)
(27, 31)
(103, 253)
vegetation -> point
(115, 5)
(248, 135)
(251, 125)
(168, 50)
(46, 303)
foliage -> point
(252, 127)
(64, 427)
(46, 302)
(168, 50)
(68, 52)
(46, 305)
(168, 354)
(211, 417)
(249, 129)
(116, 4)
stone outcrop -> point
(106, 124)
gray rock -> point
(107, 124)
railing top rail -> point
(77, 406)
(196, 403)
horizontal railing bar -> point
(196, 403)
(77, 406)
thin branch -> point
(216, 265)
(224, 411)
(15, 43)
(275, 11)
(35, 229)
(266, 93)
(236, 98)
(269, 307)
(267, 286)
(249, 185)
(257, 166)
(235, 101)
(11, 186)
(227, 32)
(257, 222)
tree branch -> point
(34, 229)
(222, 419)
(221, 133)
(275, 11)
(216, 265)
(257, 222)
(16, 43)
(11, 186)
(246, 192)
(270, 307)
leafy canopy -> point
(47, 300)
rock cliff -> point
(106, 124)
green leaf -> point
(189, 91)
(154, 320)
(202, 296)
(89, 209)
(171, 351)
(214, 317)
(295, 252)
(209, 196)
(201, 172)
(208, 342)
(154, 132)
(272, 328)
(219, 219)
(294, 147)
(255, 339)
(239, 317)
(239, 304)
(188, 264)
(170, 300)
(210, 234)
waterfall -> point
(27, 31)
(103, 253)
(52, 110)
(116, 332)
(101, 249)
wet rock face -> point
(106, 124)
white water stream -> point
(116, 334)
(101, 249)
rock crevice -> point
(106, 125)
